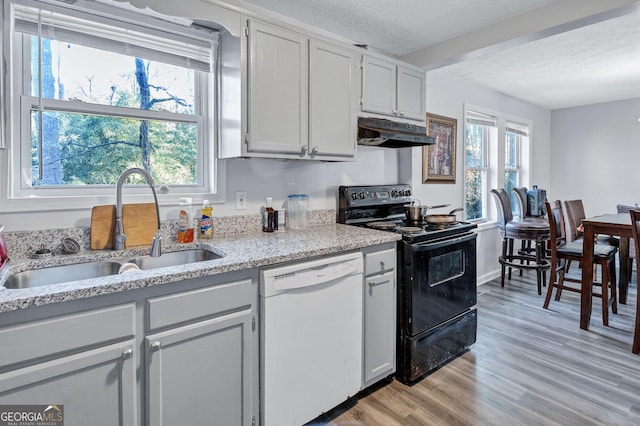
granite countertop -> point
(238, 252)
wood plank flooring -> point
(529, 366)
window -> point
(480, 130)
(514, 135)
(496, 156)
(99, 89)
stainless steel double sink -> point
(103, 268)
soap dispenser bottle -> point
(185, 221)
(206, 221)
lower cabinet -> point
(95, 386)
(379, 314)
(201, 373)
(184, 353)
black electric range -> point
(436, 315)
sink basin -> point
(62, 274)
(174, 258)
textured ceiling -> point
(596, 63)
(399, 26)
(592, 64)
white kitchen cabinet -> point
(73, 362)
(277, 90)
(392, 89)
(332, 101)
(411, 93)
(201, 368)
(379, 314)
(180, 353)
(301, 96)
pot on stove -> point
(417, 213)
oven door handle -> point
(443, 243)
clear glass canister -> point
(297, 211)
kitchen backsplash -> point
(23, 244)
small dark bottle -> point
(268, 217)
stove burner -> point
(409, 229)
(382, 225)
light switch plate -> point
(241, 200)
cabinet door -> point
(411, 94)
(332, 126)
(379, 326)
(200, 374)
(95, 387)
(378, 86)
(278, 90)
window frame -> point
(496, 158)
(16, 194)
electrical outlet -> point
(241, 200)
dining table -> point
(616, 224)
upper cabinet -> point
(392, 89)
(300, 96)
(278, 98)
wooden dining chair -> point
(635, 224)
(563, 251)
(574, 210)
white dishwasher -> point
(311, 337)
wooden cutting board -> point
(140, 224)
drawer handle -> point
(155, 346)
(382, 265)
(127, 354)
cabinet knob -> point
(395, 112)
(127, 353)
(382, 265)
(401, 113)
(155, 346)
(303, 151)
(314, 150)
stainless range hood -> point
(391, 134)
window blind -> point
(516, 128)
(473, 117)
(191, 48)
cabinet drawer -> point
(30, 341)
(197, 304)
(379, 262)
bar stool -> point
(526, 248)
(534, 230)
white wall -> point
(595, 155)
(260, 178)
(446, 96)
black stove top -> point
(382, 207)
(414, 232)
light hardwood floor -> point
(529, 366)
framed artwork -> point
(439, 160)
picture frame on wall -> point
(439, 160)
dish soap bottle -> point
(185, 222)
(268, 216)
(206, 221)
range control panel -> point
(375, 195)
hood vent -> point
(391, 134)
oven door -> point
(439, 281)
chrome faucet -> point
(120, 238)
